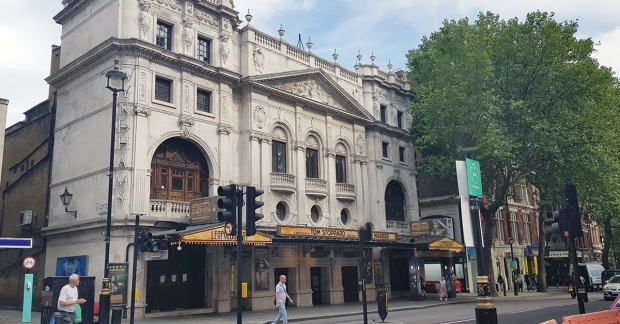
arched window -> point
(281, 211)
(278, 151)
(312, 157)
(180, 172)
(394, 202)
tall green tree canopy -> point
(527, 95)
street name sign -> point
(474, 178)
(15, 243)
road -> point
(518, 311)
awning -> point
(435, 243)
(211, 234)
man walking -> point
(281, 297)
(68, 298)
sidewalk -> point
(296, 314)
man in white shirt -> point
(68, 297)
(281, 297)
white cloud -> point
(607, 51)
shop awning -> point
(435, 243)
(211, 234)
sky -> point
(385, 28)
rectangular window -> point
(341, 169)
(203, 101)
(514, 229)
(526, 227)
(163, 89)
(177, 179)
(278, 157)
(204, 50)
(312, 163)
(190, 181)
(399, 119)
(383, 113)
(401, 154)
(164, 178)
(499, 228)
(163, 38)
(385, 146)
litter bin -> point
(51, 291)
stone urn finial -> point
(248, 17)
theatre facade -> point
(210, 101)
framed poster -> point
(119, 273)
(261, 266)
(66, 266)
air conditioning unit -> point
(25, 218)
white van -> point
(591, 272)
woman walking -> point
(443, 292)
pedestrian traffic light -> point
(149, 244)
(571, 207)
(251, 216)
(560, 223)
(228, 206)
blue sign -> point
(15, 243)
(471, 252)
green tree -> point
(519, 93)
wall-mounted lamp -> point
(66, 200)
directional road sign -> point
(15, 243)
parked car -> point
(612, 288)
(607, 274)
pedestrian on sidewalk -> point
(500, 282)
(68, 298)
(528, 282)
(520, 282)
(280, 301)
(443, 291)
(422, 284)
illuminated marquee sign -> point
(217, 235)
(319, 232)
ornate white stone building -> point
(210, 102)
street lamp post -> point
(116, 78)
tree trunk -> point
(542, 243)
(607, 242)
(487, 237)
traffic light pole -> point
(239, 252)
(136, 247)
(576, 278)
(363, 275)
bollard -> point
(504, 284)
(117, 314)
(485, 311)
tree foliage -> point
(527, 96)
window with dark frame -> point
(280, 211)
(401, 154)
(394, 202)
(278, 157)
(163, 89)
(312, 163)
(399, 119)
(204, 50)
(203, 101)
(341, 169)
(163, 38)
(383, 110)
(344, 217)
(314, 214)
(385, 147)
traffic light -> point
(251, 216)
(366, 233)
(560, 225)
(228, 206)
(149, 244)
(571, 207)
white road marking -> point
(533, 309)
(461, 321)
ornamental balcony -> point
(283, 182)
(178, 210)
(345, 191)
(316, 187)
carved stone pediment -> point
(314, 88)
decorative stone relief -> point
(142, 111)
(185, 132)
(186, 97)
(208, 19)
(225, 23)
(232, 4)
(330, 152)
(312, 142)
(187, 121)
(224, 129)
(224, 108)
(301, 146)
(260, 117)
(397, 173)
(279, 134)
(375, 105)
(259, 59)
(340, 149)
(360, 143)
(310, 90)
(188, 35)
(145, 5)
(143, 86)
(299, 127)
(329, 134)
(146, 21)
(261, 137)
(189, 8)
(224, 47)
(172, 4)
(356, 95)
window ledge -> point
(204, 113)
(163, 103)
